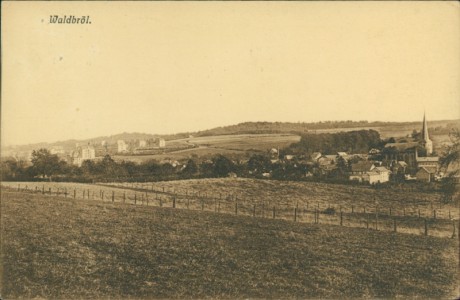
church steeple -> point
(427, 143)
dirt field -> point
(56, 247)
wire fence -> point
(438, 222)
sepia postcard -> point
(230, 150)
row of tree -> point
(330, 143)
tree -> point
(222, 166)
(451, 162)
(44, 163)
(259, 164)
(190, 168)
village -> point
(405, 159)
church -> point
(417, 156)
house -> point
(366, 171)
(360, 169)
(315, 156)
(83, 153)
(379, 175)
(289, 157)
(122, 146)
(431, 163)
(161, 143)
(327, 160)
(142, 143)
(374, 151)
(425, 175)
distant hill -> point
(385, 128)
(302, 127)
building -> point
(431, 163)
(161, 143)
(410, 152)
(142, 143)
(122, 146)
(379, 175)
(425, 175)
(83, 153)
(88, 152)
(360, 169)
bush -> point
(329, 211)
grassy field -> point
(241, 145)
(54, 247)
(335, 204)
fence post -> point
(43, 189)
(254, 211)
(218, 207)
(426, 227)
(74, 193)
(376, 217)
(449, 214)
(113, 196)
(341, 218)
(19, 186)
(274, 212)
(434, 213)
(295, 214)
(124, 197)
(174, 201)
(135, 198)
(188, 203)
(50, 191)
(317, 216)
(202, 204)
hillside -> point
(64, 248)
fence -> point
(437, 223)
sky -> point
(169, 67)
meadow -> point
(60, 247)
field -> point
(397, 209)
(241, 145)
(57, 247)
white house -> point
(122, 146)
(82, 154)
(379, 175)
(161, 143)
